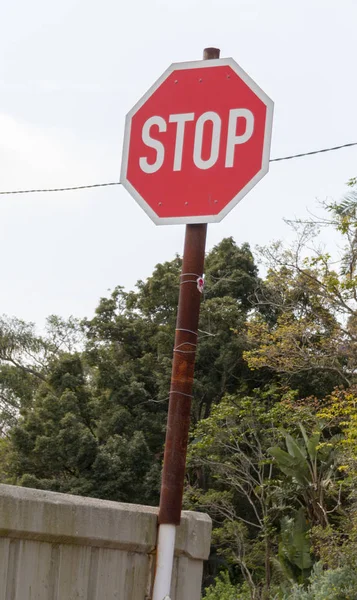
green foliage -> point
(336, 545)
(310, 464)
(57, 444)
(231, 272)
(223, 589)
(85, 405)
(311, 339)
(244, 497)
(337, 584)
(294, 552)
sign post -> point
(194, 145)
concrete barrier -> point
(62, 547)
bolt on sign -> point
(197, 142)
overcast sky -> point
(71, 70)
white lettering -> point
(233, 139)
(152, 143)
(216, 136)
(181, 120)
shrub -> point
(223, 589)
(333, 584)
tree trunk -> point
(267, 568)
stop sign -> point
(197, 142)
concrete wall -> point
(62, 547)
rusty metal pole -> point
(178, 421)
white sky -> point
(70, 71)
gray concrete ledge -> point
(61, 518)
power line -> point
(64, 189)
(313, 152)
(111, 183)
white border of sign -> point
(199, 64)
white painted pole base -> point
(164, 562)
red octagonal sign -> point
(197, 142)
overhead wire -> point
(113, 183)
(61, 189)
(314, 152)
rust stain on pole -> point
(178, 421)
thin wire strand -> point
(64, 189)
(187, 330)
(181, 393)
(313, 152)
(186, 344)
(194, 346)
(112, 183)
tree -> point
(231, 272)
(305, 323)
(58, 445)
(100, 387)
(244, 497)
(24, 360)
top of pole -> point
(211, 53)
